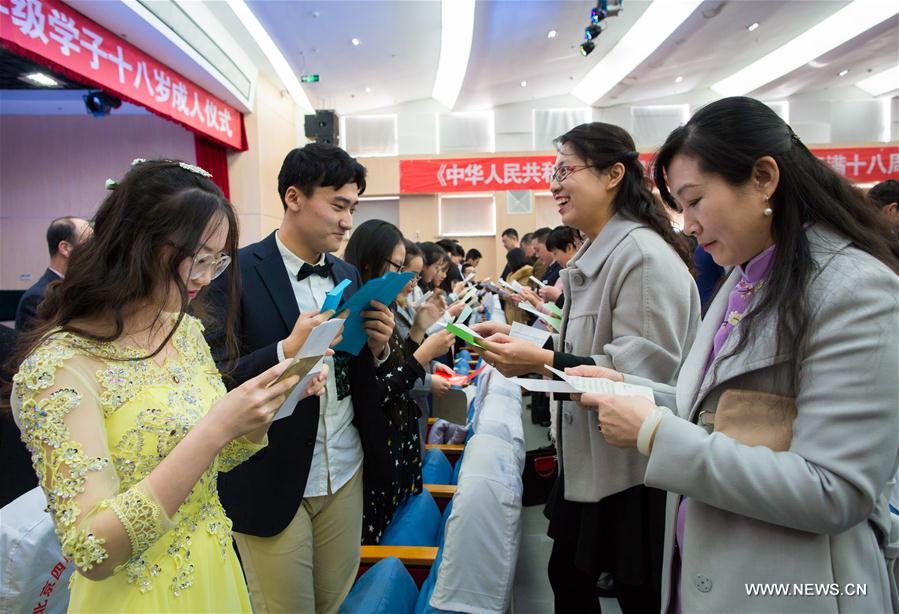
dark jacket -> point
(26, 312)
(262, 495)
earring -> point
(768, 212)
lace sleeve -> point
(236, 452)
(55, 403)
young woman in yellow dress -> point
(124, 411)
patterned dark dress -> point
(396, 377)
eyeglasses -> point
(561, 173)
(207, 264)
(398, 267)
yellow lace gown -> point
(96, 426)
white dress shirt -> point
(338, 450)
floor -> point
(531, 593)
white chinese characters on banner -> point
(870, 164)
(507, 173)
(53, 26)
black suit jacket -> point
(262, 495)
(26, 312)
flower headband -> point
(112, 184)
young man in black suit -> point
(63, 235)
(297, 504)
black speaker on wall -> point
(323, 127)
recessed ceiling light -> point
(368, 90)
(753, 27)
(524, 84)
(41, 79)
(355, 42)
(844, 72)
(551, 34)
(679, 79)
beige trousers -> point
(311, 565)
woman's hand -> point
(485, 329)
(594, 371)
(250, 407)
(425, 316)
(456, 308)
(435, 345)
(531, 297)
(620, 417)
(550, 294)
(378, 324)
(459, 288)
(440, 386)
(513, 357)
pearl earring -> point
(768, 212)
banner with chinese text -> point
(439, 175)
(76, 45)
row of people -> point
(121, 402)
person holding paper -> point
(629, 300)
(297, 507)
(521, 271)
(780, 441)
(122, 407)
(377, 247)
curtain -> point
(213, 158)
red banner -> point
(75, 45)
(440, 175)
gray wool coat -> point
(816, 513)
(631, 305)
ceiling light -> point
(524, 84)
(355, 42)
(456, 29)
(844, 72)
(753, 27)
(679, 79)
(592, 31)
(881, 83)
(587, 48)
(368, 90)
(43, 80)
(597, 14)
(551, 34)
(272, 53)
(656, 24)
(844, 25)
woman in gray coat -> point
(781, 436)
(630, 304)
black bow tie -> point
(323, 270)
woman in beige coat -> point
(782, 436)
(630, 304)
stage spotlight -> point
(99, 104)
(597, 14)
(587, 47)
(592, 31)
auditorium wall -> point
(56, 165)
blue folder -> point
(382, 289)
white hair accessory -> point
(137, 161)
(111, 184)
(195, 169)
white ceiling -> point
(400, 45)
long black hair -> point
(370, 247)
(432, 254)
(727, 138)
(601, 146)
(147, 225)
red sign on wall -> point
(858, 164)
(76, 45)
